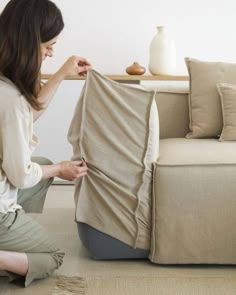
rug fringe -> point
(71, 286)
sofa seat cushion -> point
(194, 202)
(182, 151)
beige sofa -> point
(194, 199)
(184, 212)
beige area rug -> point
(145, 286)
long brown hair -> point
(24, 25)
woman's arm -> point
(47, 92)
(75, 65)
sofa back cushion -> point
(172, 104)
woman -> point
(28, 31)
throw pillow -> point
(204, 100)
(228, 101)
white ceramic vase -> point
(162, 59)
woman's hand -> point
(75, 65)
(71, 170)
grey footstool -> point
(102, 246)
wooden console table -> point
(135, 79)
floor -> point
(58, 218)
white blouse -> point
(17, 143)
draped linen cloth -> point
(115, 129)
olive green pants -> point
(20, 233)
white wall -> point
(114, 34)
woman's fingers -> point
(81, 167)
(81, 170)
(82, 61)
(75, 65)
(72, 170)
(82, 70)
(83, 65)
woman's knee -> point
(42, 161)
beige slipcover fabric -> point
(204, 100)
(194, 202)
(115, 130)
(228, 101)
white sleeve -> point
(16, 162)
